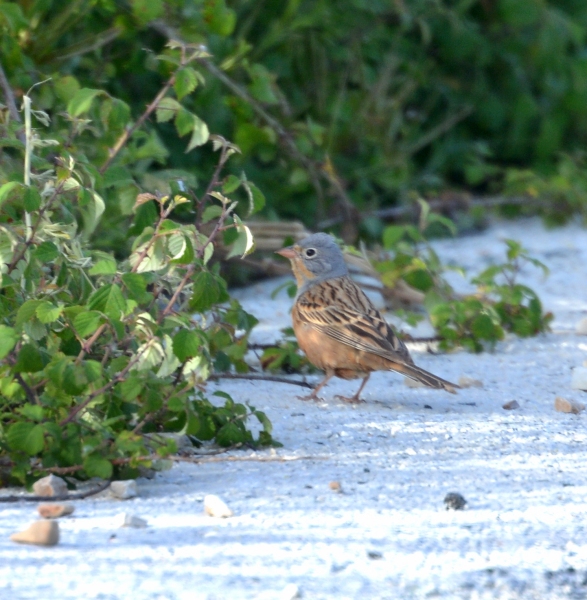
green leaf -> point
(105, 265)
(29, 360)
(31, 199)
(8, 339)
(147, 10)
(26, 437)
(211, 212)
(8, 189)
(117, 176)
(184, 122)
(136, 284)
(167, 109)
(109, 300)
(186, 344)
(92, 210)
(82, 101)
(392, 235)
(131, 387)
(231, 434)
(46, 252)
(256, 200)
(207, 291)
(186, 81)
(96, 466)
(85, 323)
(200, 135)
(244, 243)
(48, 313)
(231, 183)
(93, 370)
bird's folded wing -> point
(345, 314)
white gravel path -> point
(387, 535)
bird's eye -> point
(310, 252)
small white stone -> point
(39, 533)
(54, 511)
(579, 378)
(123, 490)
(581, 328)
(126, 520)
(50, 486)
(290, 592)
(568, 406)
(216, 507)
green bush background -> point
(332, 101)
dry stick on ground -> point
(216, 376)
(231, 458)
(79, 496)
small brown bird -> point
(338, 327)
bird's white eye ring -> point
(310, 252)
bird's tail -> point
(429, 379)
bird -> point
(336, 324)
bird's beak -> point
(288, 252)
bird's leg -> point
(356, 398)
(314, 394)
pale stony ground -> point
(387, 535)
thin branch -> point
(216, 376)
(439, 130)
(396, 212)
(256, 458)
(79, 496)
(30, 394)
(11, 102)
(123, 139)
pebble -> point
(335, 486)
(127, 520)
(579, 378)
(568, 406)
(216, 507)
(581, 328)
(54, 511)
(290, 592)
(50, 486)
(467, 382)
(123, 490)
(511, 405)
(454, 501)
(39, 533)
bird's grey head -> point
(315, 259)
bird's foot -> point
(351, 399)
(312, 396)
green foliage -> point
(501, 304)
(285, 356)
(100, 353)
(376, 99)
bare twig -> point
(80, 496)
(29, 392)
(10, 101)
(396, 212)
(123, 139)
(256, 458)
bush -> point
(101, 354)
(336, 106)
